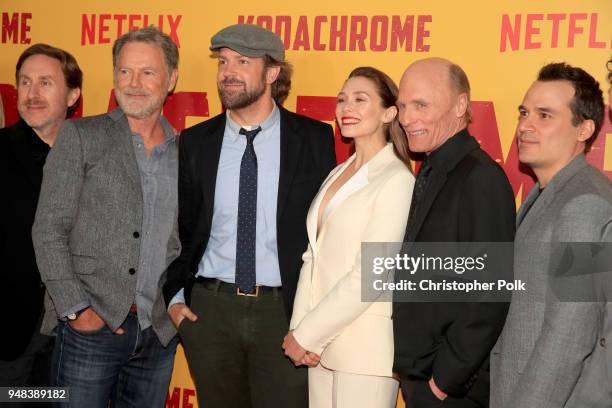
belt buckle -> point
(240, 293)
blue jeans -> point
(128, 370)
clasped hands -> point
(298, 354)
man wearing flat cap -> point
(246, 180)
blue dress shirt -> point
(219, 260)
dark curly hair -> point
(587, 103)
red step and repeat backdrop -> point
(501, 45)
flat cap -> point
(249, 40)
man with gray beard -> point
(106, 230)
(246, 180)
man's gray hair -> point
(459, 81)
(149, 35)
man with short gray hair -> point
(461, 195)
(105, 231)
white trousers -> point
(335, 389)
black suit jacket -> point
(307, 156)
(20, 285)
(467, 199)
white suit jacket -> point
(329, 317)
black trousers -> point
(234, 352)
(418, 394)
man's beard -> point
(243, 98)
(139, 109)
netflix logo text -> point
(105, 28)
(527, 31)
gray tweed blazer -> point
(89, 209)
(554, 352)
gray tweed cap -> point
(249, 40)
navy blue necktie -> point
(247, 215)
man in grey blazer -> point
(553, 349)
(105, 231)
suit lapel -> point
(356, 183)
(434, 185)
(531, 196)
(122, 134)
(312, 219)
(443, 162)
(290, 147)
(312, 225)
(208, 166)
(529, 217)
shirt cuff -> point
(178, 298)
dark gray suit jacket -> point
(89, 211)
(552, 351)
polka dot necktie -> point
(247, 215)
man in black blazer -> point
(48, 90)
(246, 180)
(461, 195)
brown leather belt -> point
(220, 286)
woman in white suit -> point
(348, 343)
